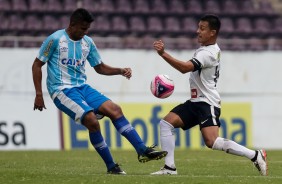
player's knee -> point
(90, 122)
(209, 143)
(116, 111)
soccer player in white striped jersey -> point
(66, 53)
(203, 108)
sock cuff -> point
(255, 157)
(218, 143)
(165, 123)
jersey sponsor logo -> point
(194, 93)
(73, 62)
(47, 50)
(85, 52)
(64, 49)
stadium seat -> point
(115, 42)
(17, 23)
(230, 7)
(243, 26)
(247, 7)
(265, 8)
(36, 5)
(119, 24)
(106, 6)
(274, 44)
(5, 5)
(123, 6)
(90, 5)
(53, 6)
(33, 24)
(172, 25)
(141, 6)
(137, 24)
(189, 25)
(50, 24)
(154, 25)
(101, 24)
(194, 6)
(147, 42)
(158, 6)
(227, 27)
(69, 5)
(4, 26)
(238, 44)
(19, 5)
(132, 42)
(176, 6)
(212, 6)
(186, 43)
(64, 21)
(256, 44)
(277, 26)
(262, 26)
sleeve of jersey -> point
(47, 48)
(94, 57)
(202, 59)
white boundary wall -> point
(245, 77)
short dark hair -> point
(213, 20)
(80, 15)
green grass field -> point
(83, 166)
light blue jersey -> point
(66, 60)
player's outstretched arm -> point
(37, 79)
(181, 66)
(108, 70)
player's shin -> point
(125, 129)
(101, 147)
(167, 142)
(232, 147)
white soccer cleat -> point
(165, 171)
(261, 162)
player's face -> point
(205, 34)
(79, 30)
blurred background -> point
(246, 24)
(124, 30)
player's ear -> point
(213, 32)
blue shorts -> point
(78, 101)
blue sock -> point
(125, 129)
(101, 147)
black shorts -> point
(197, 113)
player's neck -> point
(209, 42)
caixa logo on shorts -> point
(73, 62)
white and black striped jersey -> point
(203, 79)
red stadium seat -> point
(137, 24)
(158, 6)
(141, 6)
(123, 6)
(176, 6)
(194, 6)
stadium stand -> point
(246, 24)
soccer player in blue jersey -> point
(66, 53)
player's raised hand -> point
(39, 103)
(126, 72)
(159, 46)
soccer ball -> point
(162, 86)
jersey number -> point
(216, 75)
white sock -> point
(168, 142)
(232, 147)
